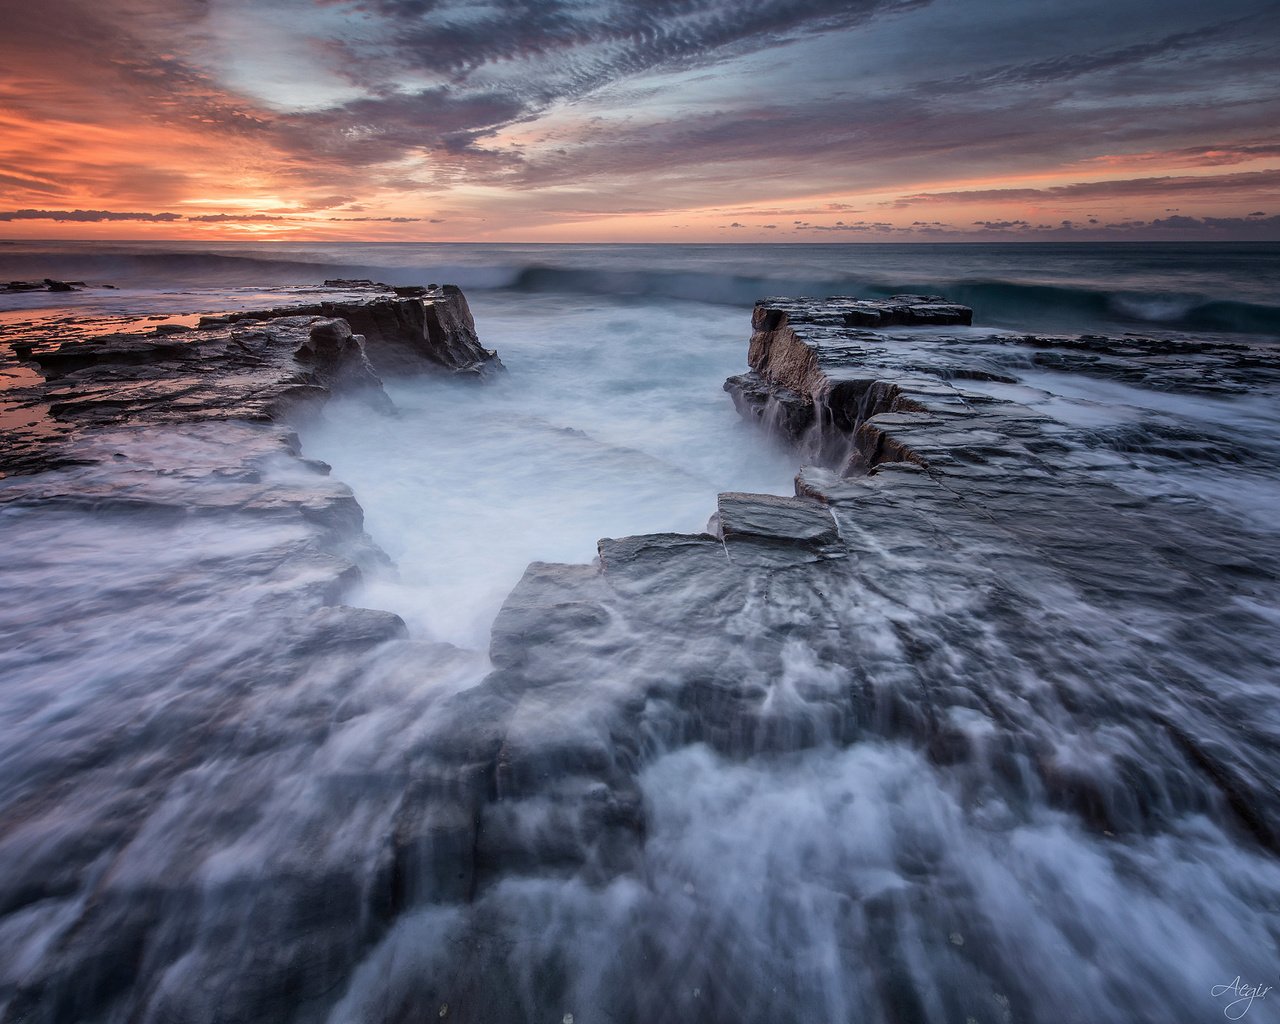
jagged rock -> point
(410, 333)
(255, 365)
(904, 310)
(765, 517)
(816, 379)
(403, 334)
(777, 409)
(269, 370)
(354, 282)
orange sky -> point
(222, 120)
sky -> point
(644, 121)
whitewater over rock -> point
(920, 741)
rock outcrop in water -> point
(813, 390)
(968, 578)
(261, 365)
(406, 330)
(159, 470)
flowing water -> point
(198, 782)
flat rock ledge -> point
(833, 380)
(970, 584)
(269, 365)
(180, 440)
(972, 593)
(405, 329)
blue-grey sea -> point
(192, 830)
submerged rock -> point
(47, 285)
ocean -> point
(832, 882)
(1036, 287)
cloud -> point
(1205, 155)
(1068, 66)
(548, 111)
(85, 216)
(239, 218)
(1217, 184)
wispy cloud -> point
(541, 115)
(86, 216)
(1249, 182)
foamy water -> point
(610, 422)
(199, 798)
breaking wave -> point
(1051, 291)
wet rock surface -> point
(816, 378)
(999, 591)
(176, 566)
(406, 329)
(110, 902)
(843, 756)
(261, 365)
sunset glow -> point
(708, 121)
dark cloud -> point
(382, 129)
(862, 227)
(1074, 65)
(580, 46)
(1215, 184)
(86, 216)
(28, 183)
(239, 218)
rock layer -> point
(990, 590)
(176, 574)
(406, 330)
(998, 609)
(255, 365)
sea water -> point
(157, 794)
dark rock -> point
(403, 334)
(273, 370)
(354, 283)
(904, 310)
(413, 333)
(765, 517)
(47, 285)
(778, 410)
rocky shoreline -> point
(957, 572)
(265, 365)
